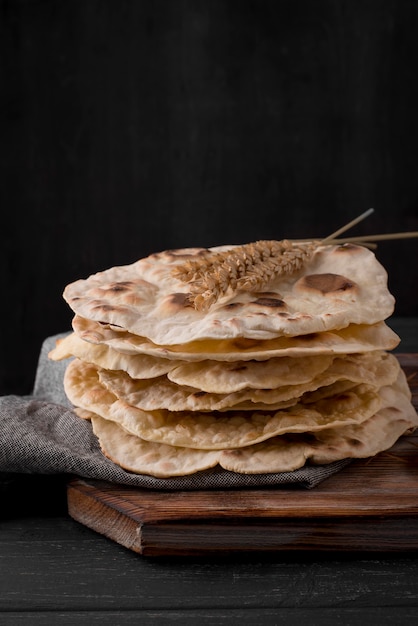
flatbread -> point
(379, 432)
(339, 286)
(144, 457)
(279, 454)
(209, 376)
(353, 339)
(375, 369)
(106, 357)
(232, 376)
(212, 430)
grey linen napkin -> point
(40, 434)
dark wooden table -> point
(54, 570)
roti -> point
(279, 454)
(233, 376)
(144, 457)
(162, 393)
(106, 357)
(366, 439)
(337, 286)
(215, 430)
(353, 339)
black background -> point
(129, 127)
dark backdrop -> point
(131, 126)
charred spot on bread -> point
(270, 302)
(326, 283)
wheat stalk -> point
(245, 268)
(252, 266)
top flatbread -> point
(339, 286)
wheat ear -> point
(252, 266)
(245, 268)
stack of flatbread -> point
(257, 359)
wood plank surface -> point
(56, 565)
(56, 571)
(371, 505)
(268, 617)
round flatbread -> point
(374, 369)
(143, 457)
(379, 432)
(353, 339)
(338, 286)
(106, 357)
(231, 377)
(215, 430)
(279, 454)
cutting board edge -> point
(373, 533)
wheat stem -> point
(343, 229)
(383, 237)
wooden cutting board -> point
(371, 505)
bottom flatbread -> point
(283, 453)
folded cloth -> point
(41, 434)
